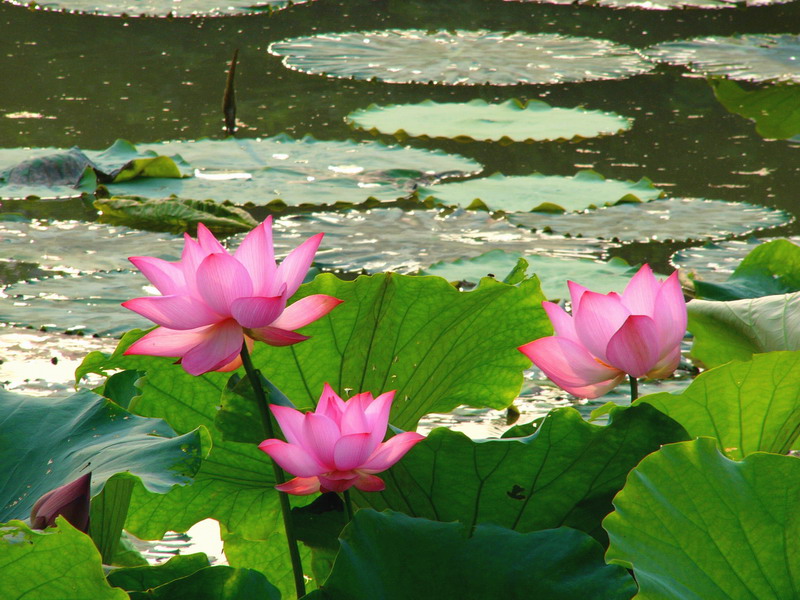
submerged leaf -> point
(751, 57)
(510, 121)
(459, 58)
(537, 192)
(694, 524)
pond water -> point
(72, 79)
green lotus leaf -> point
(164, 8)
(565, 473)
(552, 271)
(174, 214)
(769, 269)
(392, 556)
(751, 57)
(545, 193)
(56, 564)
(716, 261)
(190, 577)
(510, 121)
(296, 172)
(51, 173)
(748, 407)
(689, 219)
(459, 57)
(735, 330)
(775, 109)
(694, 524)
(664, 4)
(47, 442)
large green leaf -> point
(748, 406)
(725, 331)
(56, 564)
(546, 193)
(751, 57)
(392, 556)
(693, 525)
(566, 473)
(509, 121)
(436, 346)
(775, 109)
(552, 271)
(45, 443)
(460, 57)
(191, 578)
(689, 219)
(769, 269)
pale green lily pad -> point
(74, 247)
(775, 108)
(664, 4)
(746, 57)
(545, 193)
(459, 58)
(87, 303)
(666, 219)
(552, 271)
(717, 261)
(164, 8)
(510, 121)
(297, 172)
(693, 524)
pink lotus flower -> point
(213, 301)
(608, 336)
(71, 501)
(339, 445)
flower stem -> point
(348, 505)
(261, 400)
(634, 388)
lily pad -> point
(510, 121)
(545, 193)
(664, 4)
(297, 172)
(666, 219)
(715, 261)
(694, 524)
(52, 174)
(459, 57)
(164, 8)
(775, 109)
(553, 272)
(725, 331)
(49, 442)
(750, 57)
(73, 247)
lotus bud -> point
(71, 501)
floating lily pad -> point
(74, 247)
(716, 261)
(163, 8)
(775, 109)
(51, 173)
(553, 272)
(666, 219)
(664, 4)
(746, 57)
(546, 193)
(510, 121)
(305, 171)
(87, 303)
(460, 57)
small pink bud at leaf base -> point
(609, 336)
(71, 501)
(339, 445)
